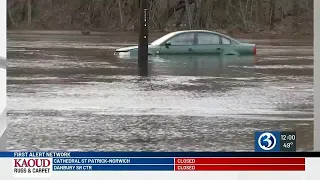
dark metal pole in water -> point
(143, 38)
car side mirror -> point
(167, 44)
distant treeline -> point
(277, 16)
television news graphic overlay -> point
(275, 141)
(288, 142)
(44, 164)
(33, 164)
(239, 164)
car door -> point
(179, 44)
(228, 47)
(208, 43)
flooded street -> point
(69, 92)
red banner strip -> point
(230, 161)
(239, 167)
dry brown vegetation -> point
(233, 16)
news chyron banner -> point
(275, 159)
(75, 165)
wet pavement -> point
(69, 92)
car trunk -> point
(247, 48)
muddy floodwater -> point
(69, 92)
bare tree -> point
(188, 13)
(272, 12)
(295, 14)
(121, 14)
(29, 12)
(243, 15)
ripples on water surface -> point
(69, 92)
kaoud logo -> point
(32, 162)
(32, 167)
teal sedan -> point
(194, 42)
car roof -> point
(185, 31)
(172, 34)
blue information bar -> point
(113, 167)
(154, 154)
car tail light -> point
(254, 50)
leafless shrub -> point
(227, 15)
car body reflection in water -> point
(198, 65)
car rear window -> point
(225, 41)
(208, 38)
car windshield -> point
(162, 39)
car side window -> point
(225, 40)
(208, 38)
(182, 39)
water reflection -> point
(197, 65)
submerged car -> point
(194, 42)
(197, 65)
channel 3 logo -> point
(267, 141)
